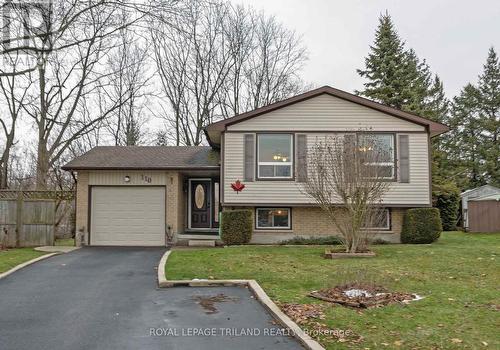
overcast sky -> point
(452, 35)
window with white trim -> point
(383, 145)
(275, 156)
(379, 221)
(272, 218)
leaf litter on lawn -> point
(311, 316)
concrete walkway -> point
(56, 249)
(106, 298)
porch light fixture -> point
(126, 179)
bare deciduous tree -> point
(38, 28)
(13, 92)
(218, 61)
(71, 72)
(347, 179)
(128, 83)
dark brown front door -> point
(200, 203)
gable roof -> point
(146, 157)
(434, 128)
(492, 189)
(491, 197)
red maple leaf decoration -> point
(237, 186)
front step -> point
(201, 243)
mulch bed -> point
(363, 296)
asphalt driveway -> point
(107, 298)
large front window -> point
(275, 156)
(273, 218)
(379, 154)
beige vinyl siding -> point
(137, 178)
(289, 192)
(325, 113)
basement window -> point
(273, 218)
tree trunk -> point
(43, 161)
(4, 170)
(42, 166)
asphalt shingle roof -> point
(146, 157)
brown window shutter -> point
(404, 158)
(249, 154)
(301, 157)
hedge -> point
(236, 226)
(421, 226)
(446, 198)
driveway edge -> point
(308, 342)
(26, 263)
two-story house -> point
(145, 196)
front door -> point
(200, 203)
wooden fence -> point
(27, 218)
(484, 216)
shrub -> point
(236, 226)
(326, 240)
(446, 197)
(421, 226)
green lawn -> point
(458, 275)
(68, 242)
(12, 257)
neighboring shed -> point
(484, 214)
(475, 193)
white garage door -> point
(131, 216)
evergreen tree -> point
(437, 105)
(462, 144)
(489, 118)
(386, 67)
(398, 78)
(473, 144)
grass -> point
(458, 275)
(65, 242)
(13, 257)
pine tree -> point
(489, 118)
(437, 105)
(398, 78)
(473, 144)
(385, 67)
(462, 143)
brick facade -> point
(311, 221)
(82, 200)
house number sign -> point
(146, 178)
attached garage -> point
(127, 215)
